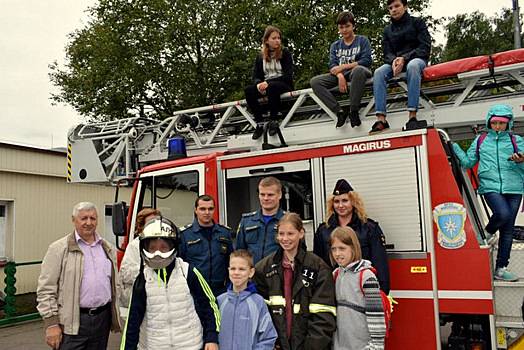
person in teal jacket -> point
(501, 175)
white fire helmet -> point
(159, 228)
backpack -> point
(482, 137)
(386, 305)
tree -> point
(476, 34)
(152, 57)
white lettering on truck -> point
(367, 146)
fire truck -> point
(441, 265)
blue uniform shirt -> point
(256, 236)
(209, 256)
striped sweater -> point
(360, 315)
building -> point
(36, 205)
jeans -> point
(321, 84)
(414, 70)
(504, 208)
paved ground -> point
(30, 336)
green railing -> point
(10, 313)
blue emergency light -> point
(176, 148)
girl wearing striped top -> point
(360, 314)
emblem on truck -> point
(450, 218)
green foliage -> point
(475, 34)
(152, 57)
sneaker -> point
(272, 128)
(379, 126)
(341, 118)
(502, 274)
(354, 119)
(414, 123)
(491, 239)
(259, 130)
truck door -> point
(241, 192)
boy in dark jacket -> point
(407, 44)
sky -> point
(34, 34)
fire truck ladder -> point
(109, 151)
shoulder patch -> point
(244, 215)
(183, 228)
(225, 226)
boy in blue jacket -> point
(246, 323)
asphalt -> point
(30, 336)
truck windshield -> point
(173, 194)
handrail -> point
(10, 295)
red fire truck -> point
(440, 264)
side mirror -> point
(119, 219)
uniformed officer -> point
(346, 208)
(207, 245)
(257, 230)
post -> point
(516, 24)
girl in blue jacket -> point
(246, 322)
(501, 175)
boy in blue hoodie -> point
(246, 322)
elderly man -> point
(76, 292)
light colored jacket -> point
(170, 320)
(129, 268)
(496, 173)
(360, 314)
(58, 292)
(245, 321)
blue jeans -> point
(381, 76)
(504, 208)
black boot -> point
(258, 131)
(341, 118)
(354, 119)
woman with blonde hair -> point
(272, 76)
(346, 208)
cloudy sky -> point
(34, 34)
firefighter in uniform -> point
(256, 231)
(299, 290)
(345, 208)
(207, 245)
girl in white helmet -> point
(172, 306)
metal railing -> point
(10, 312)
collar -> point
(299, 258)
(78, 239)
(333, 220)
(405, 17)
(259, 216)
(196, 226)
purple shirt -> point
(95, 289)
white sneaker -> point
(502, 274)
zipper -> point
(498, 163)
(264, 241)
(237, 297)
(210, 260)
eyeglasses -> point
(158, 253)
